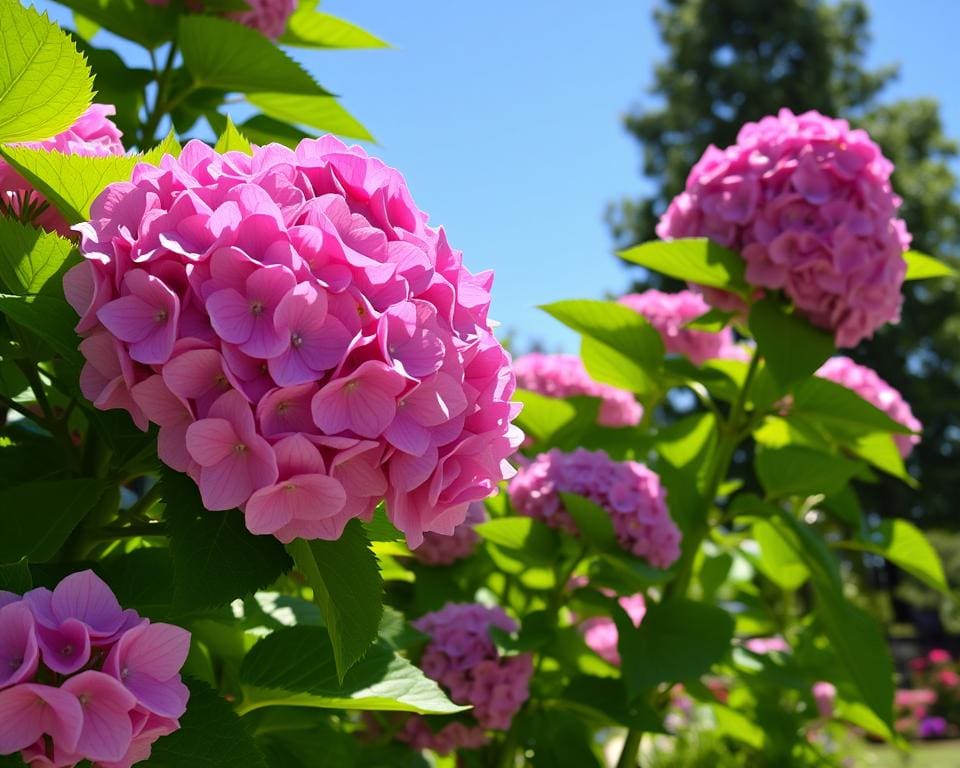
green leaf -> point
(231, 140)
(737, 726)
(225, 54)
(210, 736)
(904, 545)
(696, 260)
(677, 640)
(311, 28)
(792, 348)
(261, 129)
(145, 23)
(713, 320)
(346, 582)
(50, 318)
(45, 83)
(593, 522)
(15, 577)
(324, 113)
(296, 667)
(215, 558)
(535, 540)
(841, 409)
(778, 560)
(608, 366)
(565, 424)
(920, 266)
(169, 146)
(608, 696)
(32, 260)
(562, 739)
(36, 518)
(70, 182)
(882, 452)
(796, 470)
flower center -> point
(289, 487)
(240, 448)
(220, 381)
(256, 307)
(66, 650)
(125, 673)
(296, 340)
(352, 386)
(160, 316)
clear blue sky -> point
(505, 119)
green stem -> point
(12, 405)
(160, 106)
(508, 752)
(631, 746)
(126, 532)
(144, 504)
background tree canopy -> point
(733, 61)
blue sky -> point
(505, 119)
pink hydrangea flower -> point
(462, 656)
(939, 655)
(307, 344)
(449, 739)
(670, 312)
(866, 383)
(438, 549)
(808, 204)
(629, 491)
(825, 696)
(564, 376)
(92, 135)
(267, 16)
(111, 678)
(600, 632)
(765, 645)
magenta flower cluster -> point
(670, 312)
(269, 17)
(438, 549)
(92, 135)
(808, 204)
(305, 342)
(564, 376)
(462, 656)
(868, 384)
(600, 632)
(630, 492)
(83, 679)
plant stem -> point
(631, 746)
(160, 106)
(138, 512)
(508, 752)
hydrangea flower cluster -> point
(269, 17)
(866, 383)
(462, 656)
(825, 697)
(808, 204)
(564, 376)
(305, 342)
(83, 679)
(600, 632)
(628, 490)
(438, 549)
(92, 135)
(670, 312)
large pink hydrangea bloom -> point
(808, 204)
(305, 342)
(438, 549)
(670, 312)
(629, 491)
(83, 679)
(600, 632)
(92, 135)
(462, 656)
(866, 383)
(564, 376)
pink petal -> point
(129, 318)
(85, 596)
(296, 455)
(289, 368)
(30, 710)
(159, 404)
(67, 649)
(286, 409)
(167, 698)
(363, 402)
(406, 434)
(194, 373)
(226, 484)
(19, 654)
(211, 441)
(107, 730)
(157, 650)
(230, 315)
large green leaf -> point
(261, 129)
(904, 545)
(778, 560)
(49, 318)
(593, 522)
(792, 348)
(554, 423)
(347, 585)
(921, 267)
(534, 540)
(15, 577)
(677, 640)
(215, 558)
(296, 667)
(324, 113)
(210, 736)
(32, 260)
(696, 260)
(225, 54)
(796, 470)
(311, 28)
(841, 409)
(45, 83)
(36, 518)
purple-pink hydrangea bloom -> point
(463, 658)
(808, 204)
(565, 376)
(629, 491)
(670, 312)
(868, 384)
(600, 632)
(307, 344)
(92, 135)
(269, 17)
(825, 697)
(83, 679)
(438, 549)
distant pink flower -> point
(438, 549)
(825, 697)
(92, 135)
(600, 632)
(241, 301)
(948, 678)
(765, 645)
(267, 16)
(565, 376)
(939, 656)
(449, 739)
(868, 384)
(630, 493)
(808, 204)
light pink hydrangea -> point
(267, 16)
(448, 739)
(92, 135)
(866, 383)
(307, 344)
(765, 645)
(670, 312)
(808, 204)
(462, 656)
(629, 491)
(438, 549)
(83, 679)
(600, 632)
(564, 376)
(825, 697)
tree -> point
(733, 61)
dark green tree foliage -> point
(733, 61)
